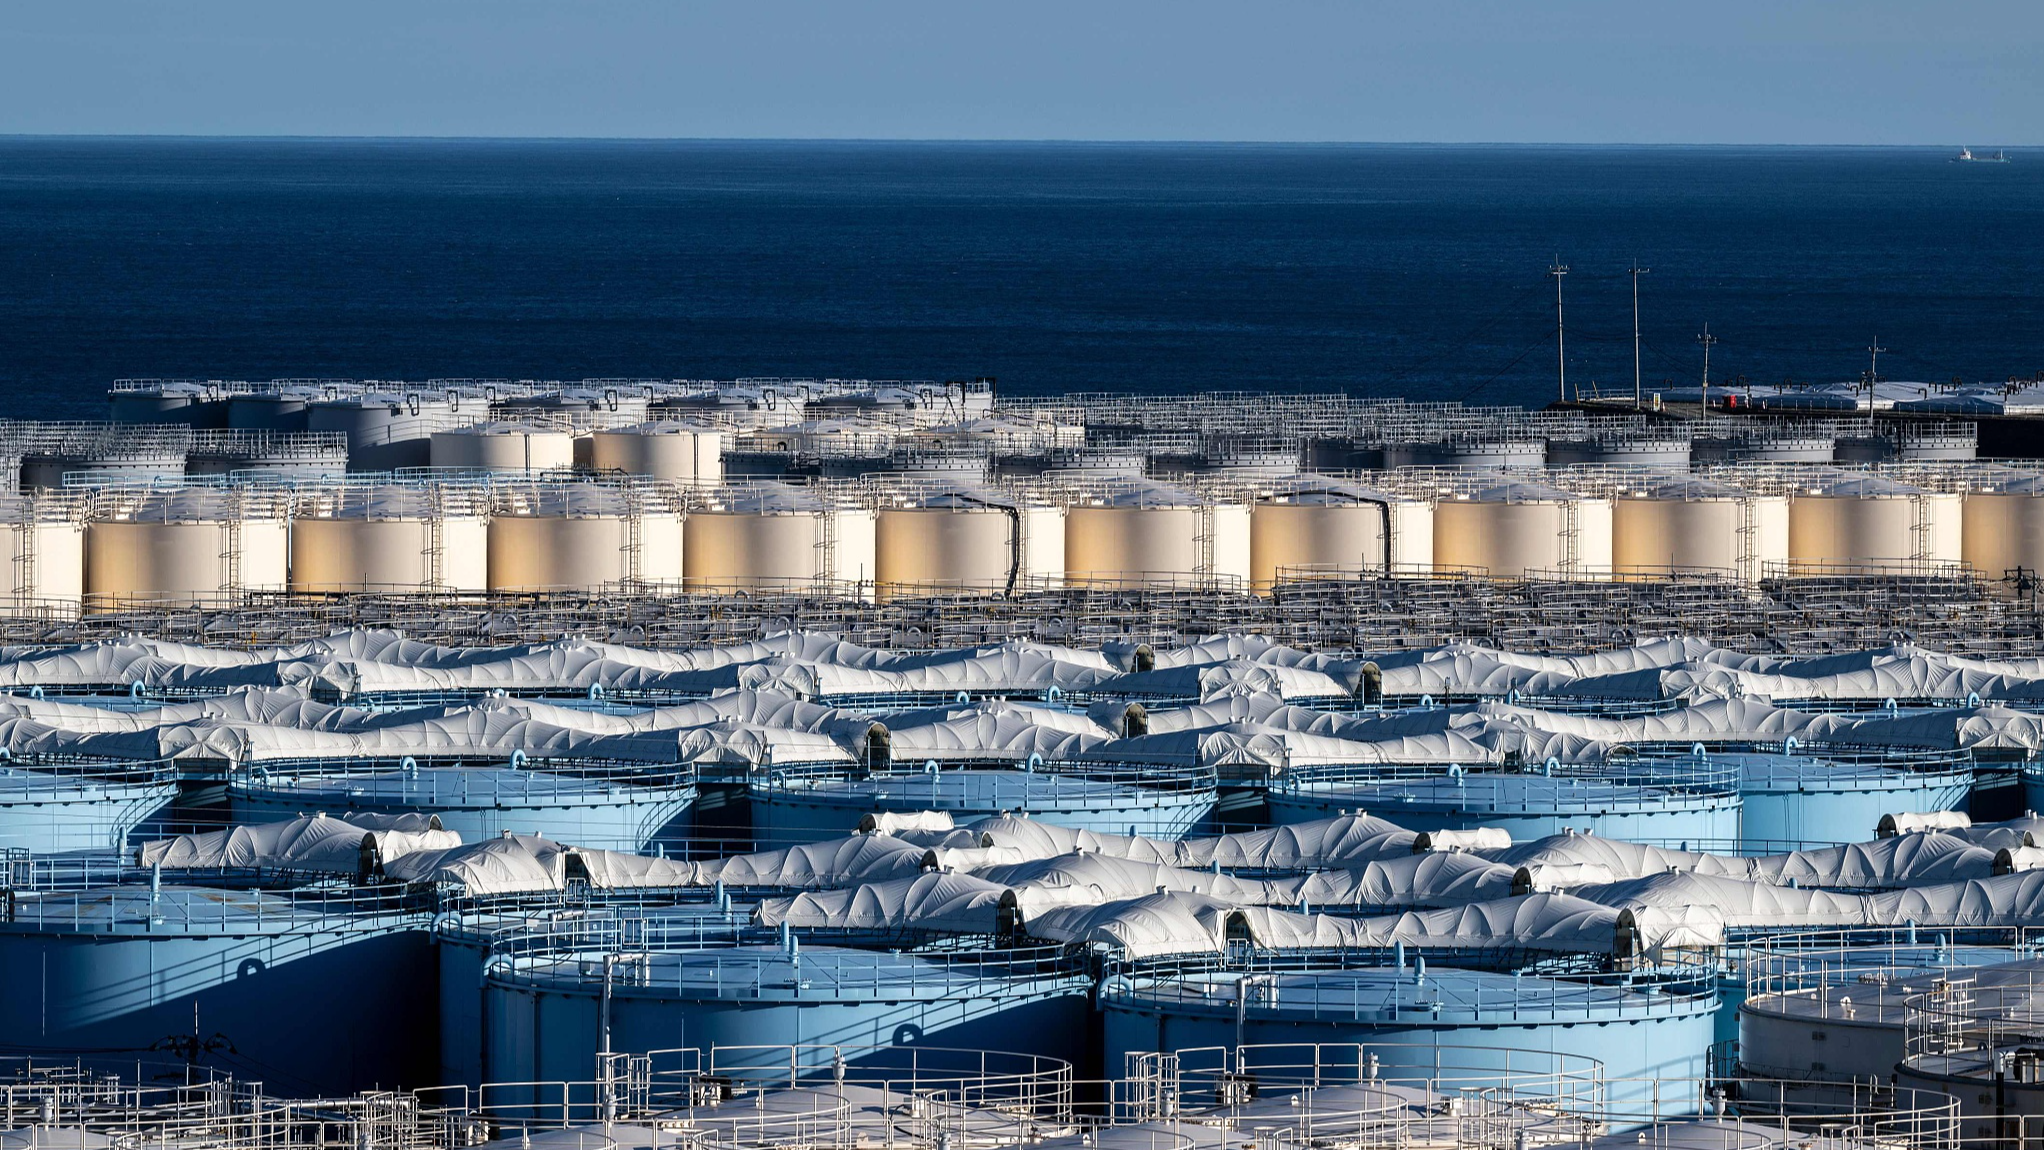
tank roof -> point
(1391, 994)
(459, 787)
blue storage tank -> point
(616, 810)
(1640, 1025)
(467, 942)
(544, 1011)
(79, 806)
(1658, 801)
(1829, 1008)
(1167, 802)
(1792, 801)
(238, 980)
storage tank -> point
(1783, 447)
(1683, 522)
(1407, 1011)
(125, 967)
(500, 446)
(1512, 527)
(42, 547)
(391, 537)
(79, 804)
(278, 408)
(582, 537)
(1658, 451)
(1164, 802)
(683, 453)
(297, 456)
(773, 536)
(193, 403)
(964, 539)
(1790, 800)
(1667, 802)
(1827, 1011)
(1072, 463)
(735, 406)
(389, 431)
(1309, 525)
(608, 406)
(1937, 442)
(187, 546)
(1139, 533)
(2003, 516)
(543, 1008)
(1464, 452)
(154, 400)
(99, 454)
(1846, 519)
(637, 808)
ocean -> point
(1416, 271)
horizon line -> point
(985, 141)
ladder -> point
(1749, 541)
(1924, 530)
(826, 545)
(24, 558)
(1204, 565)
(436, 541)
(1571, 546)
(231, 557)
(634, 525)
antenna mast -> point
(1708, 341)
(1637, 271)
(1557, 269)
(1874, 351)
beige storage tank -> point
(42, 543)
(1680, 522)
(1511, 528)
(1312, 526)
(683, 453)
(962, 539)
(1139, 533)
(2004, 525)
(1851, 520)
(187, 546)
(391, 537)
(772, 536)
(582, 537)
(505, 447)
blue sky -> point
(1591, 71)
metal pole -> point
(1557, 269)
(1637, 271)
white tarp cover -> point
(837, 862)
(1437, 878)
(933, 901)
(510, 864)
(311, 842)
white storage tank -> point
(2004, 524)
(1139, 533)
(582, 537)
(387, 431)
(391, 537)
(1512, 527)
(684, 453)
(501, 446)
(772, 536)
(42, 553)
(607, 406)
(743, 405)
(1679, 521)
(188, 546)
(1322, 526)
(1846, 519)
(968, 539)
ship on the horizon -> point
(1966, 156)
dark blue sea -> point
(1379, 270)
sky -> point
(1945, 72)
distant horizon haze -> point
(1812, 72)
